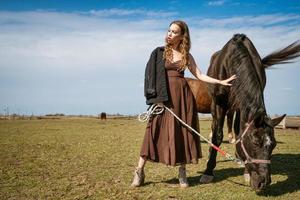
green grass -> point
(91, 159)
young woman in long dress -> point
(166, 140)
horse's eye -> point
(256, 139)
(257, 142)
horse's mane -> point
(256, 60)
(242, 59)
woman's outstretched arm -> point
(203, 77)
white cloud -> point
(249, 21)
(72, 40)
(79, 56)
(216, 3)
(287, 89)
(130, 12)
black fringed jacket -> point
(155, 85)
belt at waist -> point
(174, 73)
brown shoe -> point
(139, 177)
(182, 177)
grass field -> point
(85, 158)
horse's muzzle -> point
(259, 183)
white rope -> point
(187, 125)
(152, 110)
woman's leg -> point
(139, 175)
(182, 176)
(141, 163)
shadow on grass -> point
(220, 175)
(223, 142)
(287, 165)
(282, 164)
(233, 145)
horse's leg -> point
(236, 126)
(246, 175)
(231, 136)
(218, 113)
(237, 123)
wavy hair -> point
(184, 46)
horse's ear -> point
(277, 120)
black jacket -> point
(155, 85)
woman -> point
(166, 140)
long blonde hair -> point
(184, 46)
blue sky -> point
(85, 57)
(184, 8)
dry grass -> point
(93, 159)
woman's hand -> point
(160, 104)
(226, 81)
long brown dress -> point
(166, 140)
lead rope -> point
(157, 109)
(153, 109)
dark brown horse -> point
(254, 128)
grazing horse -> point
(254, 128)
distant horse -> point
(255, 129)
(103, 116)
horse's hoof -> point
(206, 179)
(231, 138)
(247, 178)
(241, 163)
(232, 141)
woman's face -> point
(174, 34)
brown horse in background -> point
(203, 102)
(103, 116)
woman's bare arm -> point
(203, 77)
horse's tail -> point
(282, 56)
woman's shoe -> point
(182, 177)
(139, 177)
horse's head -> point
(255, 147)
